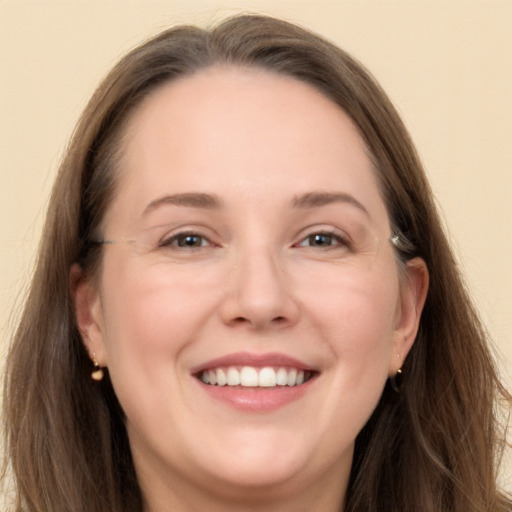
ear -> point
(413, 293)
(88, 313)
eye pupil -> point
(320, 240)
(189, 241)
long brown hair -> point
(432, 447)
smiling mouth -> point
(255, 377)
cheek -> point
(150, 315)
(357, 318)
(351, 304)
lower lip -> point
(257, 399)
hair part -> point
(434, 446)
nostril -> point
(241, 320)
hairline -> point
(125, 129)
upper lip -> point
(250, 359)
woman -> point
(244, 299)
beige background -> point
(446, 64)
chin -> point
(271, 479)
(257, 462)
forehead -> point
(222, 104)
(243, 133)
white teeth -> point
(222, 379)
(233, 376)
(250, 376)
(212, 377)
(267, 378)
(282, 377)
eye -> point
(323, 239)
(187, 240)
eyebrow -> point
(316, 199)
(213, 202)
(190, 199)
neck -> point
(255, 501)
(177, 493)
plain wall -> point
(445, 64)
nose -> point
(259, 294)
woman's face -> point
(251, 244)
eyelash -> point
(174, 240)
(178, 240)
(338, 239)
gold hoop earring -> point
(97, 373)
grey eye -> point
(185, 240)
(322, 240)
(189, 241)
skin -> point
(255, 141)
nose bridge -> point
(259, 291)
